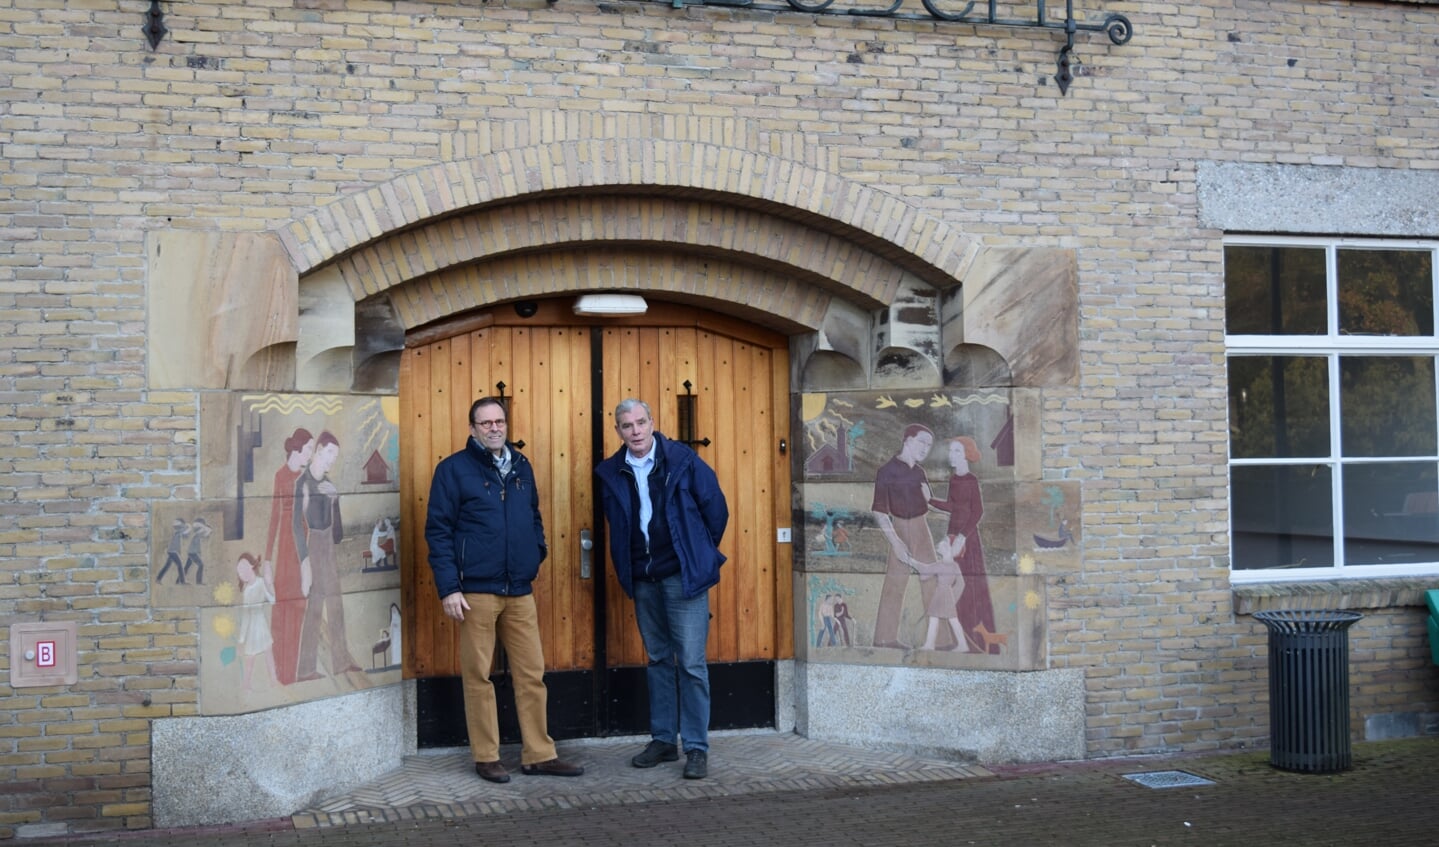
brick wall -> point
(251, 115)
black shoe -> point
(492, 771)
(697, 764)
(654, 753)
(554, 767)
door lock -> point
(587, 546)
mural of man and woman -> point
(953, 584)
(299, 569)
(834, 624)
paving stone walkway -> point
(443, 784)
(784, 790)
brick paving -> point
(444, 784)
(796, 793)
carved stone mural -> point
(920, 544)
(292, 556)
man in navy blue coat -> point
(666, 515)
(487, 541)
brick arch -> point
(421, 203)
(780, 301)
(452, 248)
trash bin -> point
(1309, 689)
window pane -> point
(1386, 404)
(1391, 513)
(1386, 292)
(1278, 407)
(1282, 516)
(1275, 291)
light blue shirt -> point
(642, 467)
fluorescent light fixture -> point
(610, 305)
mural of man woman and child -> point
(292, 596)
(953, 584)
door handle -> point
(587, 546)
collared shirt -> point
(642, 467)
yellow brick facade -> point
(827, 157)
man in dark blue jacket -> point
(486, 542)
(666, 515)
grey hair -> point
(628, 405)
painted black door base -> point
(742, 697)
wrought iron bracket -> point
(155, 25)
(1116, 26)
(688, 409)
(505, 404)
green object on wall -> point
(1431, 598)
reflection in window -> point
(1282, 516)
(1391, 513)
(1387, 405)
(1386, 292)
(1278, 406)
(1333, 406)
(1275, 290)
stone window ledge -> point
(1332, 594)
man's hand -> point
(455, 606)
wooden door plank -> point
(534, 393)
(745, 523)
(756, 640)
(414, 436)
(612, 390)
(571, 421)
(783, 585)
(445, 423)
(720, 399)
(518, 354)
(623, 369)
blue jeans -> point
(674, 631)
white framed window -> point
(1333, 428)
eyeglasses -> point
(499, 424)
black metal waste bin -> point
(1309, 689)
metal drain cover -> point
(1167, 779)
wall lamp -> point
(610, 305)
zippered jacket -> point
(694, 506)
(485, 534)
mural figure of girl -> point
(281, 556)
(318, 531)
(257, 593)
(943, 603)
(965, 507)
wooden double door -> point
(718, 383)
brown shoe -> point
(554, 767)
(492, 771)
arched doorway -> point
(719, 383)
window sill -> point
(1333, 594)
